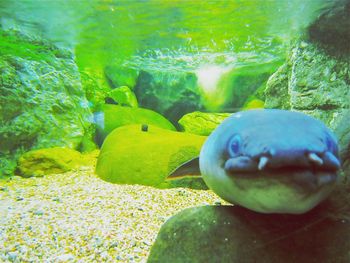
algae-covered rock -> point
(253, 104)
(48, 161)
(132, 156)
(121, 76)
(172, 94)
(42, 103)
(201, 123)
(113, 116)
(233, 234)
(123, 96)
(236, 85)
(95, 86)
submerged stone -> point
(114, 116)
(172, 94)
(123, 96)
(253, 104)
(332, 28)
(234, 234)
(41, 97)
(132, 156)
(235, 86)
(48, 161)
(201, 123)
(121, 76)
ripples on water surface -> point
(166, 35)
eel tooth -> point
(331, 161)
(314, 158)
(263, 162)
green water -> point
(171, 35)
(61, 61)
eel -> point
(269, 161)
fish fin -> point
(189, 168)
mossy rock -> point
(121, 76)
(123, 96)
(132, 156)
(48, 161)
(115, 116)
(201, 123)
(253, 104)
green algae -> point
(16, 44)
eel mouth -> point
(310, 172)
(286, 163)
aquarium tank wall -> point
(174, 131)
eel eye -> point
(234, 145)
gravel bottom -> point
(77, 217)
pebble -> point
(65, 257)
(115, 244)
(12, 256)
(38, 212)
(56, 199)
(95, 221)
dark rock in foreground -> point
(234, 234)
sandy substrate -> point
(76, 217)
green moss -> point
(15, 44)
(131, 156)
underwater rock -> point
(201, 123)
(172, 94)
(317, 83)
(95, 86)
(234, 234)
(41, 97)
(235, 87)
(132, 156)
(48, 161)
(331, 29)
(113, 116)
(123, 96)
(121, 76)
(253, 104)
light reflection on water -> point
(165, 34)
